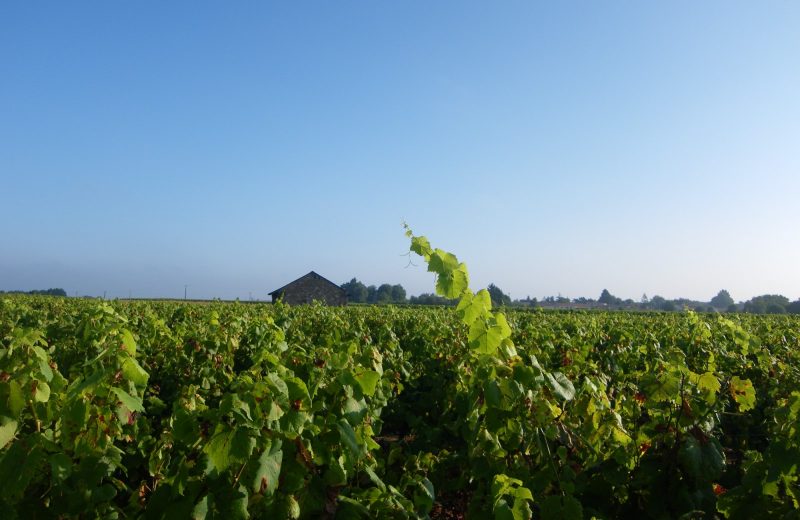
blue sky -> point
(554, 147)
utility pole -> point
(184, 291)
(104, 295)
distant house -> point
(310, 288)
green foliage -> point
(173, 410)
(767, 304)
(608, 298)
(357, 292)
(722, 300)
(743, 393)
(498, 296)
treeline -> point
(722, 302)
(43, 292)
(772, 304)
(357, 292)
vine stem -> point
(239, 474)
(550, 459)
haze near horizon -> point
(554, 148)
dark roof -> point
(311, 274)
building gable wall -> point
(311, 288)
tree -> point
(775, 308)
(722, 300)
(39, 292)
(398, 293)
(794, 307)
(497, 295)
(384, 293)
(431, 299)
(356, 291)
(372, 294)
(609, 299)
(767, 303)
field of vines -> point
(170, 410)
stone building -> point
(310, 288)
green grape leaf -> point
(18, 466)
(522, 510)
(561, 386)
(58, 383)
(185, 427)
(743, 393)
(485, 337)
(233, 404)
(442, 262)
(269, 469)
(219, 449)
(348, 436)
(42, 392)
(661, 387)
(703, 462)
(16, 400)
(451, 277)
(424, 495)
(708, 382)
(133, 372)
(294, 508)
(492, 393)
(77, 412)
(452, 284)
(60, 467)
(7, 430)
(128, 342)
(502, 511)
(355, 410)
(242, 445)
(40, 353)
(368, 380)
(200, 509)
(502, 325)
(479, 339)
(45, 370)
(297, 388)
(473, 307)
(557, 507)
(421, 246)
(505, 487)
(709, 385)
(278, 384)
(375, 478)
(133, 404)
(235, 505)
(293, 422)
(572, 508)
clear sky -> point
(555, 147)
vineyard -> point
(171, 410)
